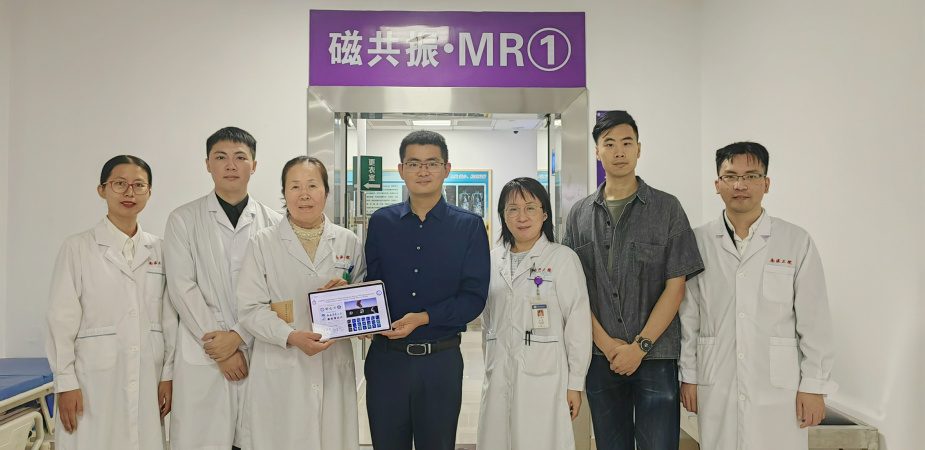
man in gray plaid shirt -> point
(637, 249)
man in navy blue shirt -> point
(434, 260)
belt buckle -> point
(424, 349)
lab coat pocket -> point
(706, 361)
(276, 357)
(785, 363)
(541, 357)
(547, 289)
(155, 282)
(649, 260)
(156, 336)
(777, 284)
(492, 356)
(96, 349)
(192, 350)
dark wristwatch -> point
(644, 343)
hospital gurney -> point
(837, 431)
(23, 381)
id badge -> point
(540, 315)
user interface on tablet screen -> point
(351, 310)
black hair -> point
(303, 159)
(232, 134)
(742, 148)
(525, 186)
(424, 137)
(612, 119)
(124, 159)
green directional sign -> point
(370, 170)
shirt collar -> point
(437, 212)
(751, 229)
(121, 237)
(642, 192)
(239, 208)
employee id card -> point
(538, 308)
(540, 315)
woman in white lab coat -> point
(111, 332)
(536, 328)
(302, 392)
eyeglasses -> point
(749, 178)
(413, 167)
(530, 210)
(120, 187)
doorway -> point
(493, 135)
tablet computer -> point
(352, 310)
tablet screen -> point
(351, 310)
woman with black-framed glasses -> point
(111, 330)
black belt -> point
(417, 348)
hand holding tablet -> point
(310, 343)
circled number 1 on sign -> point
(549, 41)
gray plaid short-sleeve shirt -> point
(652, 242)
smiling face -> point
(618, 150)
(305, 195)
(126, 205)
(742, 197)
(231, 165)
(524, 217)
(425, 182)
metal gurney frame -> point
(34, 374)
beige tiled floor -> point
(473, 373)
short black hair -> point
(742, 148)
(124, 159)
(524, 186)
(612, 119)
(233, 134)
(424, 137)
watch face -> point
(645, 345)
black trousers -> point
(413, 398)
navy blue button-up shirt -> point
(441, 265)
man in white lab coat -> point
(204, 244)
(756, 333)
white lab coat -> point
(755, 330)
(204, 253)
(295, 400)
(111, 333)
(524, 402)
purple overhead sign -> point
(446, 49)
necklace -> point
(308, 234)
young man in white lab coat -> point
(204, 244)
(757, 346)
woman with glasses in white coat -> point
(111, 332)
(302, 392)
(536, 328)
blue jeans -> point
(651, 392)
